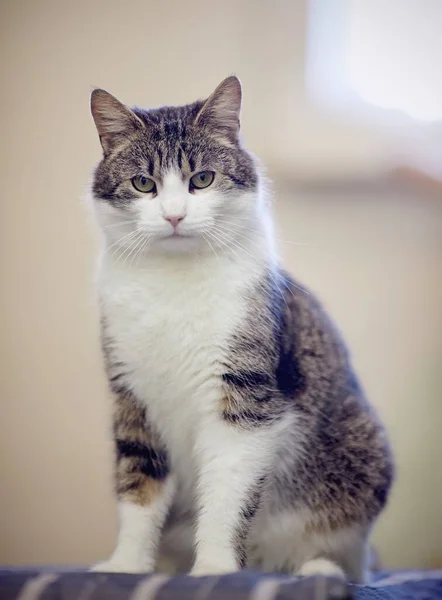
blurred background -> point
(343, 103)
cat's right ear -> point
(114, 121)
(221, 111)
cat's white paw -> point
(204, 569)
(321, 566)
(116, 566)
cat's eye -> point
(144, 184)
(202, 180)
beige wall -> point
(375, 259)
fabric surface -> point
(401, 585)
(37, 585)
(53, 584)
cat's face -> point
(174, 179)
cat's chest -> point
(172, 333)
(168, 345)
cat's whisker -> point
(122, 251)
(210, 244)
(119, 224)
(122, 238)
(143, 249)
(277, 238)
(241, 234)
(134, 254)
(220, 241)
(298, 287)
(236, 243)
(119, 243)
(133, 246)
(240, 246)
(225, 242)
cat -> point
(242, 435)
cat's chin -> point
(179, 244)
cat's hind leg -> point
(285, 542)
(343, 553)
(340, 553)
(321, 566)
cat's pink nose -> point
(174, 221)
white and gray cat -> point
(242, 435)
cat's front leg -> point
(232, 463)
(144, 490)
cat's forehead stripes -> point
(170, 140)
(170, 145)
(170, 157)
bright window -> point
(377, 53)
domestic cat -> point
(242, 435)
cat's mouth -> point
(179, 241)
(177, 234)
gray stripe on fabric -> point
(205, 590)
(266, 589)
(89, 588)
(148, 588)
(321, 588)
(33, 589)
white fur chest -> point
(170, 325)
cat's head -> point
(173, 179)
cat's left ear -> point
(114, 120)
(221, 111)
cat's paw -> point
(203, 570)
(321, 566)
(116, 566)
